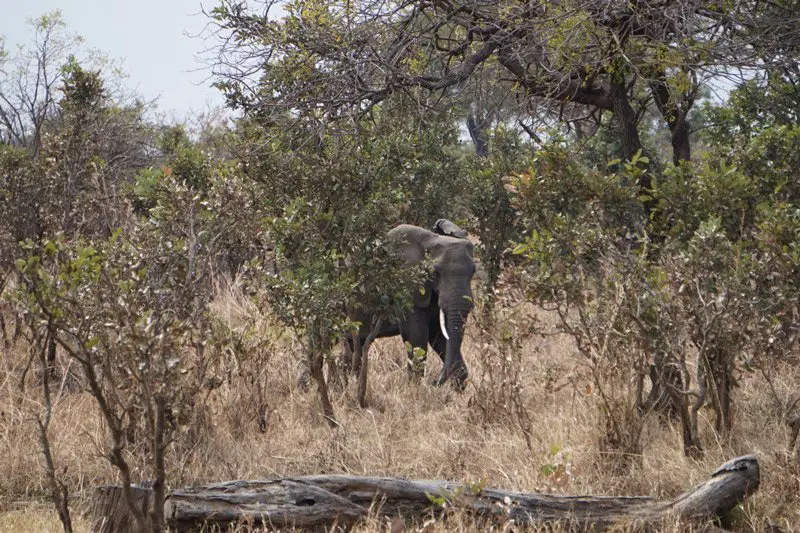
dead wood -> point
(322, 502)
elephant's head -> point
(453, 268)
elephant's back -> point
(405, 230)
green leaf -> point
(436, 500)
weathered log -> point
(317, 502)
(729, 485)
(279, 503)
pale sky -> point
(150, 39)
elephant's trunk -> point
(454, 367)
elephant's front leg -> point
(414, 331)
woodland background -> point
(629, 172)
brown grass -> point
(410, 430)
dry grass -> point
(410, 430)
(37, 517)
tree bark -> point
(316, 359)
(626, 122)
(58, 490)
(159, 451)
(721, 366)
(477, 131)
(364, 367)
(51, 357)
(675, 117)
(681, 149)
(357, 353)
(321, 502)
(110, 513)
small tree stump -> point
(109, 512)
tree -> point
(494, 219)
(733, 233)
(86, 154)
(29, 88)
(341, 58)
(328, 205)
(133, 311)
(711, 269)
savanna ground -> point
(528, 421)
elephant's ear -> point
(446, 227)
(412, 244)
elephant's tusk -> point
(441, 325)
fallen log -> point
(321, 502)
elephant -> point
(439, 313)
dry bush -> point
(75, 434)
(499, 376)
(246, 391)
(411, 430)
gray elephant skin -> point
(438, 315)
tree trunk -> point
(681, 149)
(353, 352)
(3, 330)
(334, 374)
(357, 354)
(58, 490)
(51, 356)
(692, 446)
(477, 131)
(721, 380)
(629, 135)
(626, 121)
(346, 358)
(159, 452)
(675, 117)
(322, 502)
(669, 379)
(316, 358)
(364, 367)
